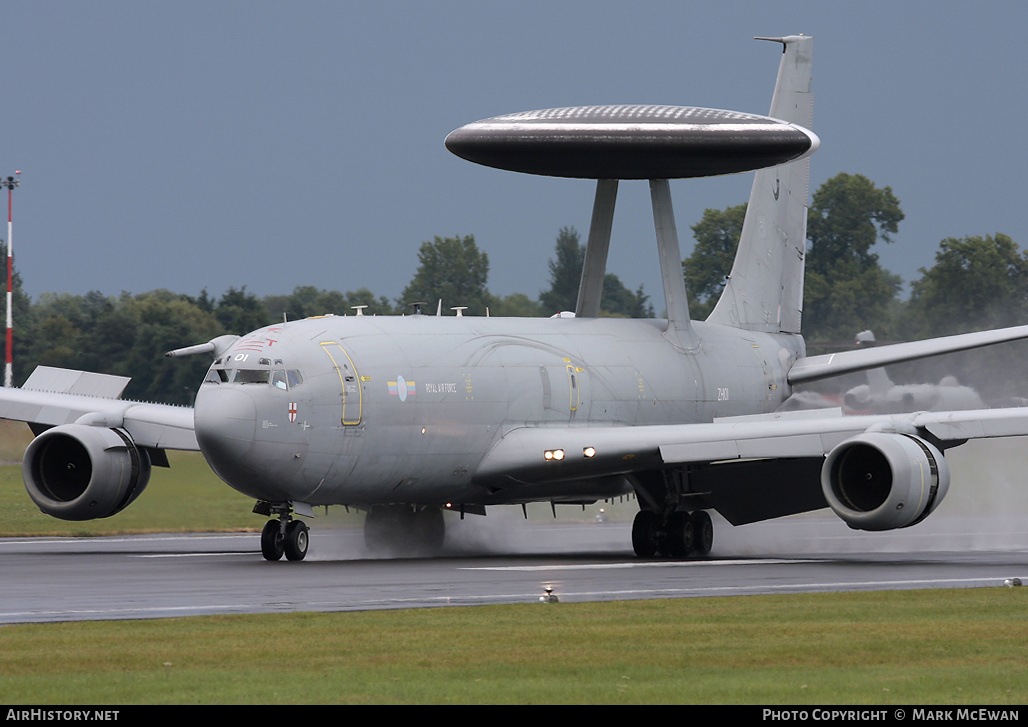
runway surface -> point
(488, 561)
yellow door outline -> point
(349, 384)
(574, 384)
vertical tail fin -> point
(765, 288)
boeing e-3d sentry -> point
(406, 417)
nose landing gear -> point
(284, 536)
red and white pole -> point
(10, 183)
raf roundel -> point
(631, 142)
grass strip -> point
(901, 647)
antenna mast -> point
(10, 183)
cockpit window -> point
(216, 376)
(251, 376)
(284, 379)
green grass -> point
(904, 647)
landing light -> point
(589, 452)
(553, 454)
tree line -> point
(976, 282)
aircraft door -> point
(574, 386)
(558, 401)
(352, 393)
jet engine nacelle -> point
(884, 480)
(80, 472)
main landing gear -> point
(668, 523)
(677, 534)
(284, 536)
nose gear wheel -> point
(285, 536)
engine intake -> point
(882, 481)
(79, 472)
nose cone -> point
(225, 419)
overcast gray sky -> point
(190, 145)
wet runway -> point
(487, 561)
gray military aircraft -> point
(407, 417)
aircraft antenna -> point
(10, 183)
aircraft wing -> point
(522, 452)
(749, 468)
(52, 397)
(812, 368)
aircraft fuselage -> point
(365, 410)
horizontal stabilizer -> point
(826, 365)
(83, 383)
